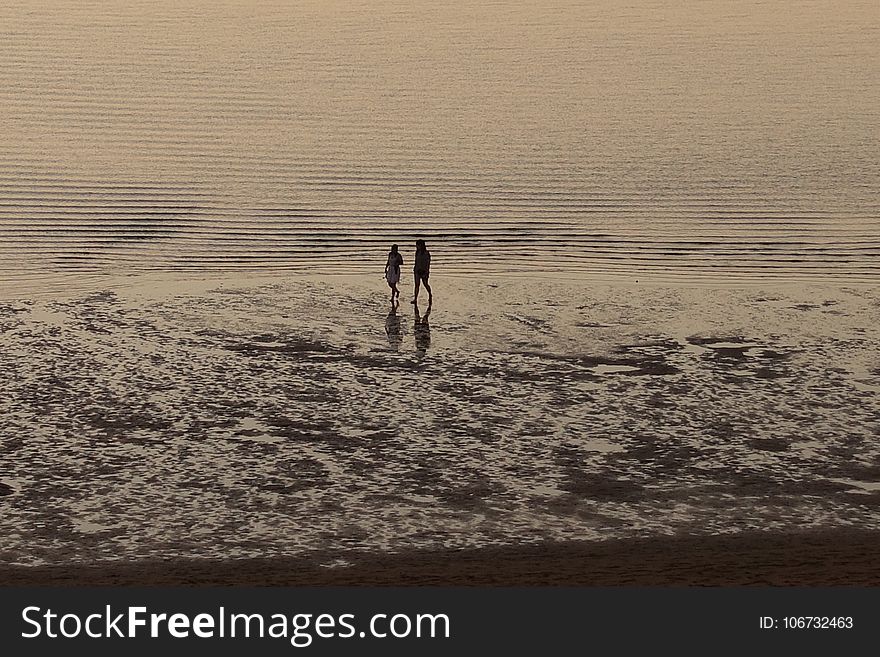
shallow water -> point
(722, 141)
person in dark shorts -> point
(422, 269)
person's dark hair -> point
(420, 245)
(394, 247)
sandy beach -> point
(818, 558)
(529, 431)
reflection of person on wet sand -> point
(421, 330)
(392, 329)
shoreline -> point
(158, 283)
(831, 557)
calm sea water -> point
(697, 141)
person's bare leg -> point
(416, 293)
(430, 296)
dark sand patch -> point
(769, 444)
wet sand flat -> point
(247, 425)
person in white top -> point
(392, 271)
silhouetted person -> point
(392, 329)
(421, 329)
(392, 271)
(422, 269)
